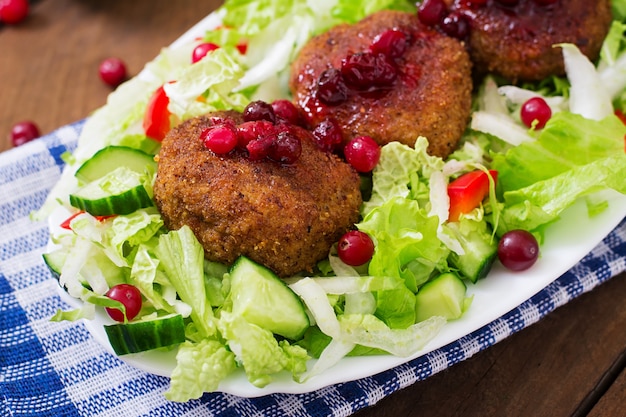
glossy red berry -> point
(286, 111)
(23, 132)
(355, 248)
(328, 135)
(249, 131)
(220, 139)
(129, 296)
(113, 71)
(535, 111)
(391, 43)
(259, 110)
(455, 25)
(365, 70)
(13, 11)
(431, 12)
(362, 153)
(331, 87)
(518, 250)
(201, 50)
(286, 148)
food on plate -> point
(284, 216)
(229, 236)
(388, 77)
(516, 39)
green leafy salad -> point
(223, 319)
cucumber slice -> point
(442, 296)
(55, 261)
(480, 254)
(119, 192)
(260, 297)
(139, 336)
(111, 157)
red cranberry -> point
(365, 70)
(201, 50)
(546, 2)
(392, 43)
(23, 132)
(286, 111)
(112, 71)
(249, 131)
(508, 2)
(13, 11)
(259, 110)
(259, 148)
(362, 153)
(129, 296)
(219, 139)
(328, 135)
(455, 25)
(535, 110)
(431, 12)
(331, 87)
(286, 148)
(355, 248)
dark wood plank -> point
(49, 63)
(613, 402)
(547, 369)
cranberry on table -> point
(23, 132)
(220, 139)
(535, 111)
(355, 248)
(362, 153)
(13, 11)
(129, 296)
(518, 250)
(113, 71)
(202, 50)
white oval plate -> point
(567, 242)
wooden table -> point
(570, 363)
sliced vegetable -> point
(479, 249)
(261, 298)
(156, 121)
(146, 334)
(443, 296)
(467, 192)
(111, 157)
(119, 192)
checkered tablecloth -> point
(58, 369)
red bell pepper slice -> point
(156, 121)
(467, 192)
(66, 222)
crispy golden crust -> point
(432, 97)
(518, 43)
(284, 217)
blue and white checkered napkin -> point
(58, 369)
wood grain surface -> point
(571, 363)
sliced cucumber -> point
(118, 192)
(111, 157)
(143, 335)
(55, 261)
(260, 297)
(442, 296)
(480, 254)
